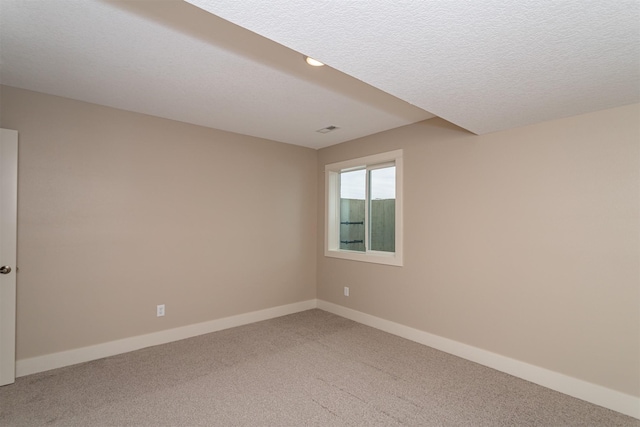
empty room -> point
(331, 213)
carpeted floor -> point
(307, 369)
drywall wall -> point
(524, 242)
(119, 212)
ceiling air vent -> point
(327, 129)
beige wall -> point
(119, 212)
(524, 242)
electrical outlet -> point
(160, 310)
(346, 291)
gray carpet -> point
(306, 369)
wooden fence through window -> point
(382, 217)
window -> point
(364, 209)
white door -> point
(8, 227)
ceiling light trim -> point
(313, 62)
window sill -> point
(371, 256)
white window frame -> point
(332, 209)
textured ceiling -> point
(483, 65)
(173, 60)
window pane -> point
(382, 210)
(352, 204)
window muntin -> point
(364, 209)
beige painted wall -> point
(524, 242)
(119, 212)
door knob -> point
(5, 269)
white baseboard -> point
(86, 354)
(599, 395)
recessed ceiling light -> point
(314, 62)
